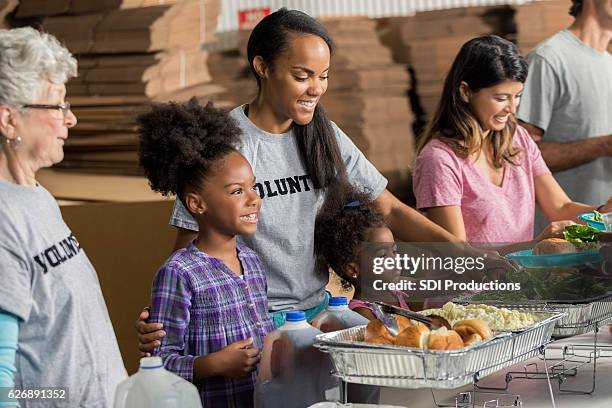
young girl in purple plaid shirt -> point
(211, 296)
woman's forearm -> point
(571, 210)
(408, 224)
(9, 335)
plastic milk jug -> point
(154, 386)
(336, 317)
(292, 372)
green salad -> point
(582, 236)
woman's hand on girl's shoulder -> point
(149, 334)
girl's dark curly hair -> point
(180, 143)
(342, 225)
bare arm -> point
(450, 218)
(237, 360)
(567, 155)
(408, 224)
(553, 201)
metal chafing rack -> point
(580, 317)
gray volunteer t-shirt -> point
(568, 94)
(285, 233)
(66, 339)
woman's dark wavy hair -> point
(181, 142)
(482, 62)
(575, 8)
(342, 225)
(317, 142)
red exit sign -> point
(249, 18)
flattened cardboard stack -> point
(130, 52)
(105, 139)
(150, 51)
(151, 75)
(429, 42)
(230, 71)
(185, 24)
(43, 8)
(6, 7)
(367, 98)
(537, 21)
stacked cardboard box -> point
(6, 7)
(537, 21)
(429, 42)
(366, 97)
(43, 8)
(130, 52)
(185, 24)
(230, 71)
(128, 49)
(152, 75)
(105, 139)
(131, 47)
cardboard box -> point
(123, 227)
(126, 242)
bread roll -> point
(413, 336)
(474, 338)
(377, 333)
(444, 339)
(403, 322)
(467, 328)
(554, 246)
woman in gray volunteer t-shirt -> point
(55, 331)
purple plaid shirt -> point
(204, 306)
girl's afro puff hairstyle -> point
(180, 142)
(342, 225)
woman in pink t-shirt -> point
(478, 173)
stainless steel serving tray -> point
(393, 366)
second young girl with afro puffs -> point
(211, 296)
(350, 232)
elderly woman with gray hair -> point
(55, 330)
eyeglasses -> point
(65, 107)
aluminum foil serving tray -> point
(580, 317)
(356, 361)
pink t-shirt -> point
(491, 214)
